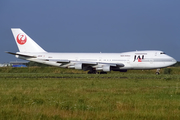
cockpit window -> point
(162, 53)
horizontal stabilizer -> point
(23, 55)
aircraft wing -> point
(86, 63)
(64, 61)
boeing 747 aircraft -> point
(92, 62)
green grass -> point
(54, 96)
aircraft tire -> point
(92, 72)
(157, 73)
(103, 72)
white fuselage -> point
(131, 60)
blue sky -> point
(92, 25)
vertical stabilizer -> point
(24, 42)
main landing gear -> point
(102, 72)
(92, 72)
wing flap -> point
(69, 61)
(89, 63)
(114, 65)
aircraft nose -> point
(173, 61)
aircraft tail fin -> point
(24, 42)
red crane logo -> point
(21, 39)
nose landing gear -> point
(158, 71)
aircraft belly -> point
(127, 66)
(142, 65)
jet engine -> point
(105, 68)
(78, 66)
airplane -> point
(92, 62)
